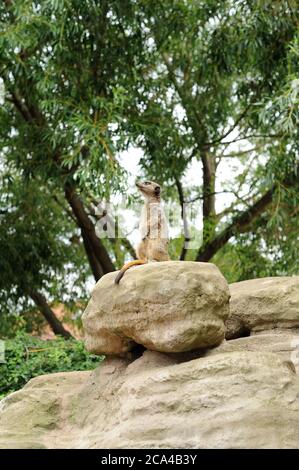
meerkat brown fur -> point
(153, 229)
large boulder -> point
(170, 306)
(229, 400)
(262, 304)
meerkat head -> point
(149, 189)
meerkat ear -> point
(157, 190)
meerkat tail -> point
(126, 267)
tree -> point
(37, 252)
(187, 82)
(64, 88)
(220, 70)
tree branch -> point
(20, 105)
(88, 228)
(231, 129)
(47, 312)
(129, 247)
(242, 152)
(252, 136)
(209, 178)
(95, 266)
(187, 236)
(242, 222)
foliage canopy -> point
(197, 86)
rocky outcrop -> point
(196, 393)
(263, 304)
(230, 400)
(167, 307)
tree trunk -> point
(54, 322)
(243, 221)
(208, 209)
(187, 235)
(88, 229)
(96, 268)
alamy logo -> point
(181, 222)
(2, 351)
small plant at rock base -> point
(27, 356)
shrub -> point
(28, 356)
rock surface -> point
(263, 304)
(284, 343)
(229, 400)
(169, 306)
(243, 393)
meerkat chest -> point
(153, 222)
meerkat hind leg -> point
(141, 250)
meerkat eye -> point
(147, 182)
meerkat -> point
(153, 229)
